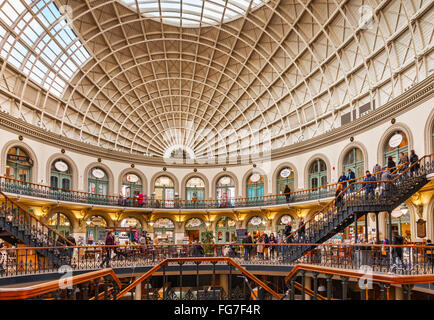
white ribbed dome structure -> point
(207, 78)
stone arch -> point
(246, 177)
(309, 163)
(164, 173)
(106, 169)
(137, 172)
(69, 161)
(28, 150)
(193, 175)
(277, 171)
(277, 217)
(134, 215)
(68, 213)
(348, 147)
(397, 126)
(213, 225)
(429, 145)
(217, 177)
(250, 216)
(199, 216)
(104, 215)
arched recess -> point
(213, 225)
(429, 131)
(250, 216)
(164, 173)
(69, 161)
(202, 217)
(247, 176)
(217, 177)
(28, 150)
(193, 175)
(277, 172)
(349, 147)
(276, 219)
(387, 134)
(310, 162)
(137, 216)
(106, 168)
(139, 174)
(104, 215)
(66, 212)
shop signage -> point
(421, 228)
(395, 140)
(14, 157)
(285, 173)
(225, 180)
(98, 173)
(132, 178)
(194, 222)
(255, 177)
(61, 166)
(255, 221)
(285, 219)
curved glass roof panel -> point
(37, 39)
(193, 12)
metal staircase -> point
(332, 218)
(19, 226)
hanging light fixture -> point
(404, 209)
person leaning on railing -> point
(387, 187)
(414, 159)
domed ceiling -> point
(201, 78)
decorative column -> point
(224, 282)
(307, 285)
(138, 291)
(399, 293)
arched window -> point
(396, 143)
(61, 175)
(194, 228)
(131, 185)
(255, 226)
(60, 223)
(18, 165)
(164, 231)
(283, 221)
(133, 230)
(225, 192)
(354, 160)
(226, 230)
(194, 190)
(165, 191)
(317, 176)
(96, 230)
(255, 188)
(98, 181)
(285, 178)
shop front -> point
(60, 223)
(193, 230)
(226, 230)
(96, 230)
(133, 230)
(164, 231)
(283, 221)
(256, 227)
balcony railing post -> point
(329, 286)
(344, 287)
(303, 282)
(315, 285)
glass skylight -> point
(37, 39)
(193, 12)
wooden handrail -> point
(36, 218)
(43, 288)
(384, 278)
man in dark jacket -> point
(351, 175)
(387, 187)
(301, 231)
(287, 232)
(247, 240)
(413, 159)
(342, 179)
(397, 251)
(71, 243)
(370, 186)
(109, 241)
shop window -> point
(60, 223)
(354, 160)
(18, 164)
(225, 192)
(131, 185)
(195, 190)
(164, 189)
(96, 230)
(61, 175)
(164, 231)
(226, 230)
(98, 181)
(396, 143)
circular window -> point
(395, 140)
(132, 178)
(255, 177)
(285, 173)
(61, 166)
(98, 173)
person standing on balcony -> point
(140, 199)
(287, 193)
(339, 195)
(272, 240)
(369, 186)
(301, 231)
(71, 243)
(109, 241)
(351, 176)
(247, 240)
(342, 179)
(413, 159)
(260, 247)
(3, 258)
(397, 251)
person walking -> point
(343, 179)
(403, 160)
(287, 192)
(71, 243)
(109, 241)
(339, 195)
(413, 159)
(370, 186)
(387, 187)
(350, 177)
(377, 168)
(397, 251)
(301, 231)
(247, 240)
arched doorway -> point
(194, 228)
(18, 167)
(256, 226)
(225, 192)
(255, 189)
(317, 178)
(164, 192)
(60, 223)
(96, 230)
(283, 221)
(396, 143)
(354, 160)
(164, 231)
(60, 179)
(285, 178)
(195, 192)
(98, 185)
(131, 187)
(132, 232)
(226, 230)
